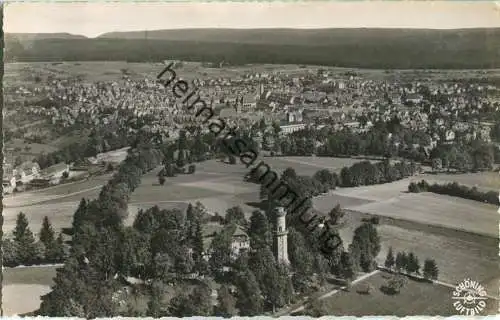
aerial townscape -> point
(121, 199)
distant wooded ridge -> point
(365, 48)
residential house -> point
(294, 116)
(9, 180)
(240, 242)
(27, 171)
(287, 129)
(414, 98)
(248, 102)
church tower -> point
(281, 235)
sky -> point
(93, 19)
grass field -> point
(416, 298)
(457, 257)
(27, 151)
(29, 275)
(483, 180)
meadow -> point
(415, 298)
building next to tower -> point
(280, 237)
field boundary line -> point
(53, 198)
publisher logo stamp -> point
(470, 298)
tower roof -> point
(280, 212)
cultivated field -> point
(439, 210)
(416, 298)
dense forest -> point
(366, 48)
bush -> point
(456, 190)
(192, 169)
(161, 180)
(365, 289)
(394, 285)
(109, 167)
(413, 188)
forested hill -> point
(368, 48)
(26, 37)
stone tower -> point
(281, 235)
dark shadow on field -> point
(337, 282)
(258, 205)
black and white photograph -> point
(237, 159)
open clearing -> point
(416, 298)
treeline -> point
(85, 285)
(474, 156)
(390, 139)
(409, 263)
(367, 173)
(402, 53)
(347, 143)
(99, 141)
(456, 190)
(361, 173)
(24, 249)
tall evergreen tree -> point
(248, 296)
(58, 254)
(80, 290)
(80, 214)
(400, 262)
(301, 259)
(198, 243)
(430, 269)
(24, 240)
(412, 265)
(226, 303)
(47, 237)
(347, 266)
(236, 215)
(365, 246)
(389, 260)
(259, 231)
(155, 306)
